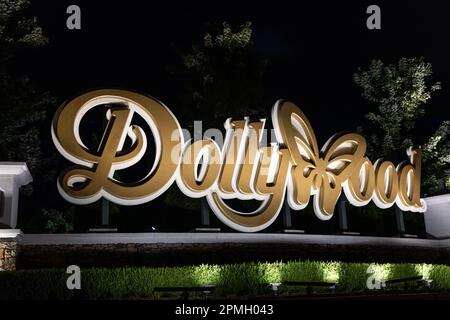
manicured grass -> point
(246, 279)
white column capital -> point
(17, 170)
(13, 175)
(11, 234)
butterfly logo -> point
(315, 172)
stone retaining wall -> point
(174, 249)
(8, 253)
(132, 254)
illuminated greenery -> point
(400, 92)
(305, 271)
(441, 276)
(353, 276)
(245, 279)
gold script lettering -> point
(292, 167)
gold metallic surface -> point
(319, 173)
(244, 183)
(190, 165)
(245, 168)
(275, 190)
(386, 182)
(362, 181)
(409, 181)
(98, 177)
(234, 134)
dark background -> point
(312, 48)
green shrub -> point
(441, 276)
(331, 271)
(34, 284)
(231, 280)
(206, 274)
(403, 270)
(302, 271)
(353, 276)
(241, 279)
(133, 282)
(272, 272)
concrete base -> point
(227, 237)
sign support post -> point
(286, 211)
(205, 218)
(287, 220)
(204, 210)
(342, 213)
(400, 221)
(105, 212)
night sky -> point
(312, 48)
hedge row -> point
(231, 280)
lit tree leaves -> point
(400, 92)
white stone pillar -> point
(13, 175)
(437, 216)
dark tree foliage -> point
(224, 78)
(22, 108)
(24, 111)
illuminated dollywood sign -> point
(291, 168)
